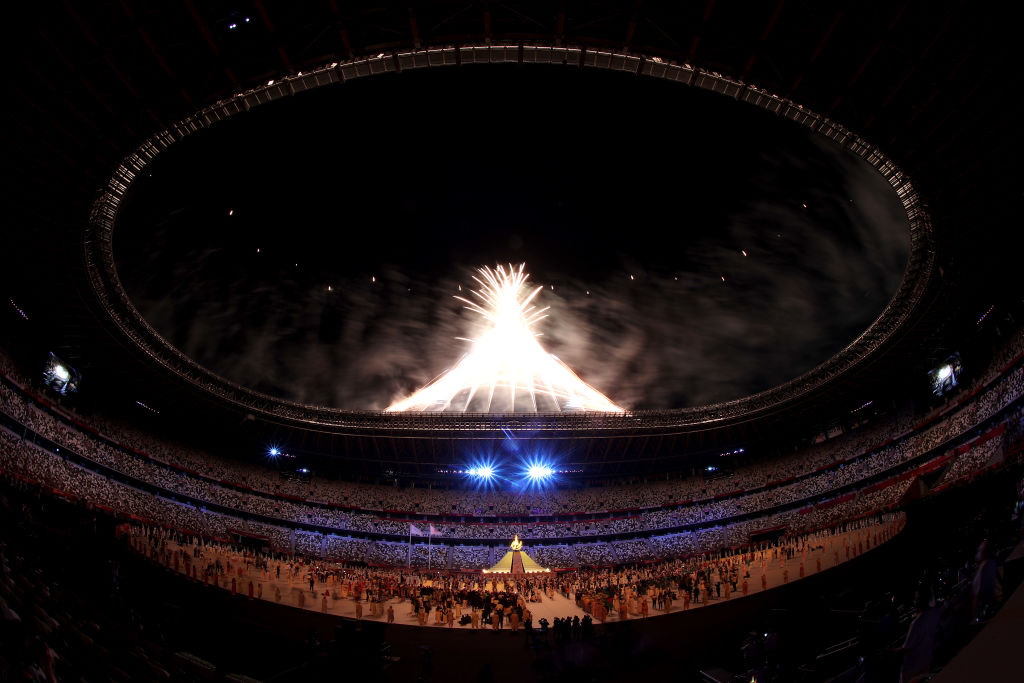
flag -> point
(433, 531)
(414, 530)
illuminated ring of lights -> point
(116, 304)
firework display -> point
(506, 370)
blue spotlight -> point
(484, 473)
(273, 452)
(481, 471)
(539, 472)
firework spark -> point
(506, 370)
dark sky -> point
(391, 190)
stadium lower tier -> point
(41, 449)
(42, 445)
(863, 457)
(32, 463)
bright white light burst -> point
(506, 369)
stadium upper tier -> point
(850, 476)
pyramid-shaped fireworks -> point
(506, 369)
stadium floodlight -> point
(61, 372)
(483, 471)
(273, 452)
(538, 472)
(506, 370)
(944, 372)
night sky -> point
(311, 248)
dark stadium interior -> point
(809, 308)
(210, 246)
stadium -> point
(649, 340)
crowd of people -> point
(858, 452)
(473, 599)
(175, 485)
(624, 566)
(973, 460)
(33, 463)
(432, 597)
(44, 639)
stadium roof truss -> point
(126, 319)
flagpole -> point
(428, 548)
(408, 552)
